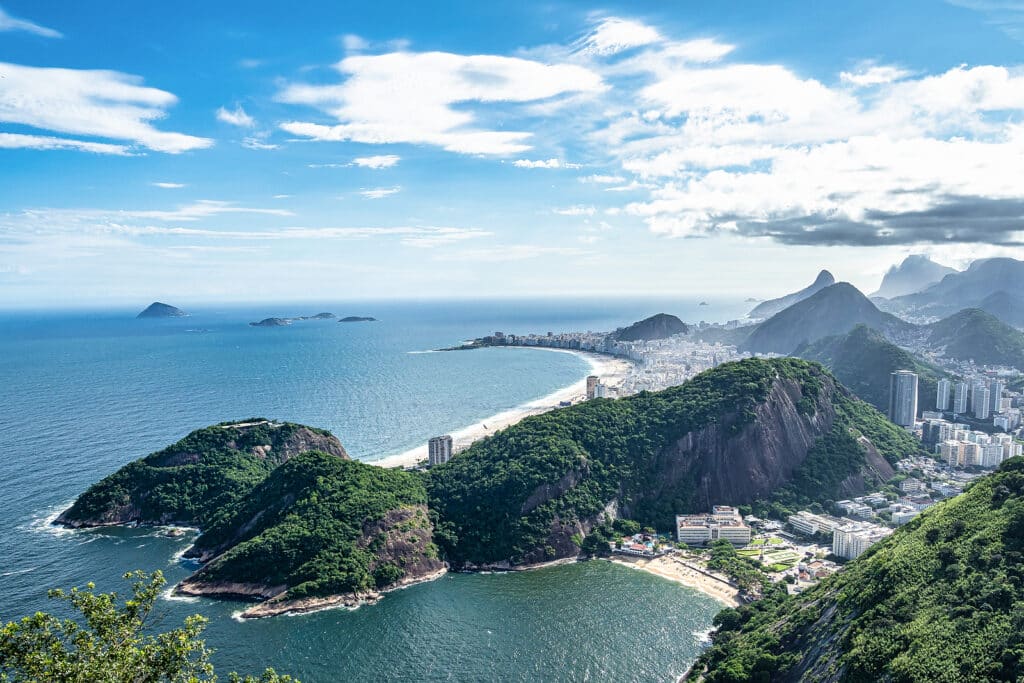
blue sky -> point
(201, 152)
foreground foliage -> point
(110, 641)
(942, 599)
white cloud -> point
(377, 162)
(603, 179)
(425, 98)
(869, 75)
(9, 23)
(103, 104)
(380, 192)
(577, 210)
(235, 117)
(615, 35)
(257, 143)
(169, 186)
(354, 43)
(282, 196)
(543, 163)
(21, 141)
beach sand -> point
(612, 372)
(674, 569)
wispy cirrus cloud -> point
(168, 186)
(377, 162)
(101, 104)
(543, 163)
(9, 23)
(379, 192)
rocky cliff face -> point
(743, 467)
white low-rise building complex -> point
(724, 523)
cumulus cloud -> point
(235, 117)
(380, 192)
(427, 98)
(102, 104)
(377, 162)
(869, 75)
(9, 23)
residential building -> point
(981, 404)
(439, 450)
(592, 382)
(912, 485)
(850, 541)
(809, 524)
(944, 395)
(855, 509)
(995, 395)
(960, 394)
(724, 523)
(903, 398)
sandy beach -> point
(612, 372)
(674, 569)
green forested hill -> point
(974, 334)
(863, 359)
(320, 525)
(942, 599)
(189, 482)
(734, 434)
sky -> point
(225, 152)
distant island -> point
(357, 319)
(161, 310)
(281, 322)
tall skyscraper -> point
(943, 394)
(995, 394)
(960, 398)
(439, 450)
(903, 398)
(980, 403)
(592, 381)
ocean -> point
(83, 393)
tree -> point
(110, 642)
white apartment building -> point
(852, 540)
(724, 523)
(439, 450)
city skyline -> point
(402, 151)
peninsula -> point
(289, 520)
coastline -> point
(612, 371)
(673, 570)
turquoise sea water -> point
(83, 393)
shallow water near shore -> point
(83, 394)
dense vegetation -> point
(659, 326)
(501, 499)
(191, 482)
(974, 334)
(108, 641)
(940, 600)
(321, 525)
(863, 359)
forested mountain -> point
(863, 359)
(973, 334)
(942, 599)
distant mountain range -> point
(915, 273)
(660, 326)
(973, 334)
(767, 309)
(965, 289)
(831, 311)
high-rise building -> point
(943, 394)
(592, 382)
(960, 398)
(995, 395)
(439, 450)
(903, 398)
(980, 403)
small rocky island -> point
(161, 310)
(281, 322)
(357, 319)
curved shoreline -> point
(612, 370)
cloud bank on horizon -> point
(642, 127)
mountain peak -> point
(915, 273)
(767, 309)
